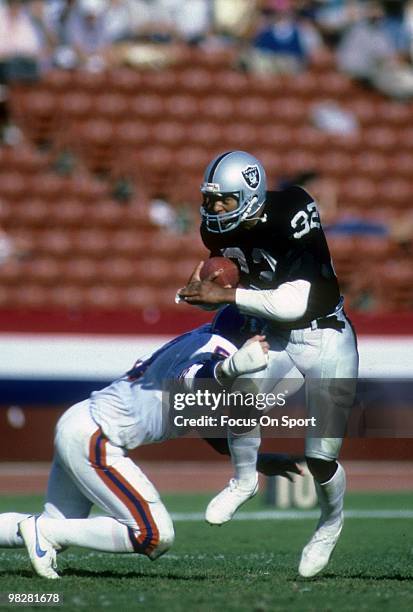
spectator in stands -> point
(21, 54)
(193, 20)
(84, 35)
(285, 42)
(334, 16)
(234, 19)
(170, 21)
(20, 45)
(367, 52)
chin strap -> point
(263, 219)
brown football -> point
(229, 275)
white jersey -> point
(134, 410)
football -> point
(229, 275)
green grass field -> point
(243, 566)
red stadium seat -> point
(117, 271)
(13, 185)
(289, 110)
(43, 271)
(162, 82)
(182, 107)
(105, 214)
(31, 213)
(66, 296)
(76, 105)
(206, 134)
(371, 163)
(102, 297)
(111, 106)
(253, 109)
(79, 271)
(380, 139)
(29, 295)
(393, 288)
(146, 106)
(131, 134)
(54, 243)
(125, 80)
(195, 81)
(237, 135)
(217, 108)
(168, 133)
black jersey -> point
(288, 246)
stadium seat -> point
(125, 80)
(111, 106)
(10, 273)
(75, 106)
(218, 108)
(231, 83)
(53, 242)
(396, 192)
(31, 213)
(117, 271)
(37, 112)
(169, 133)
(105, 214)
(102, 297)
(79, 271)
(206, 134)
(238, 135)
(29, 294)
(253, 110)
(182, 107)
(146, 106)
(13, 185)
(67, 212)
(161, 82)
(44, 271)
(131, 134)
(393, 288)
(289, 110)
(380, 139)
(195, 81)
(66, 296)
(370, 163)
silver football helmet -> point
(237, 174)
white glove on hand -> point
(251, 357)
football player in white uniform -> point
(287, 278)
(91, 465)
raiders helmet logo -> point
(251, 176)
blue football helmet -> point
(234, 326)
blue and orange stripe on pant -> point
(147, 539)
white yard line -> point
(293, 515)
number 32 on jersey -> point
(305, 220)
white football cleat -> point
(41, 552)
(316, 554)
(222, 508)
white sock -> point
(9, 537)
(244, 451)
(99, 533)
(331, 496)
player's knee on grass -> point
(321, 469)
(166, 539)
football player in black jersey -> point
(287, 279)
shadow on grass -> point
(81, 573)
(353, 576)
